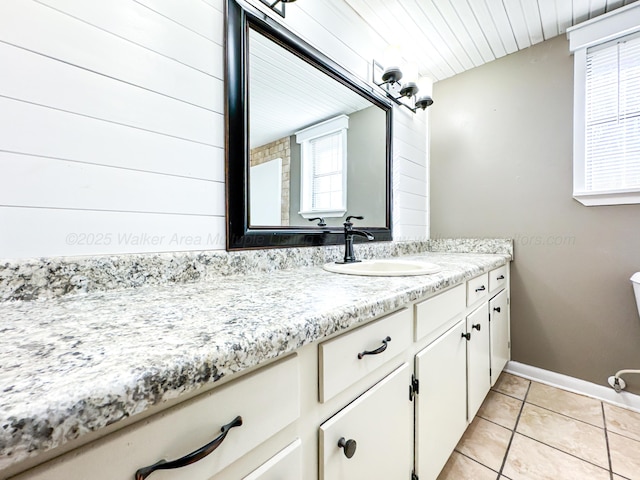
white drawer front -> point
(340, 365)
(267, 400)
(381, 423)
(285, 465)
(433, 315)
(498, 278)
(477, 288)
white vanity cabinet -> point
(267, 401)
(441, 404)
(285, 465)
(371, 437)
(478, 359)
(466, 329)
(388, 399)
(500, 342)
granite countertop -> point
(75, 364)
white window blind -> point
(327, 183)
(612, 116)
(323, 176)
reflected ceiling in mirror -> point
(290, 181)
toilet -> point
(635, 279)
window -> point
(606, 164)
(323, 179)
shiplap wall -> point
(112, 128)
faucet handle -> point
(322, 223)
(357, 217)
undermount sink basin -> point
(384, 268)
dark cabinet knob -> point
(467, 336)
(496, 309)
(481, 288)
(476, 326)
(349, 446)
(501, 277)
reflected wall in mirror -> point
(305, 139)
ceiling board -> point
(446, 37)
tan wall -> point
(501, 166)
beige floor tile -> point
(625, 456)
(512, 385)
(460, 467)
(622, 421)
(531, 460)
(571, 404)
(485, 442)
(571, 436)
(618, 477)
(501, 409)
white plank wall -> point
(112, 127)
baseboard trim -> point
(575, 385)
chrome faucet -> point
(349, 233)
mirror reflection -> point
(317, 148)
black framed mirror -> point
(305, 140)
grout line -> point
(606, 439)
(564, 415)
(509, 395)
(513, 433)
(476, 461)
(565, 452)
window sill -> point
(323, 213)
(620, 197)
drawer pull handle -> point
(192, 457)
(481, 288)
(501, 277)
(477, 326)
(496, 309)
(378, 350)
(349, 446)
(467, 336)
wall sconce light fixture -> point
(404, 88)
(277, 5)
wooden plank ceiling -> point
(447, 37)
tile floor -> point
(529, 431)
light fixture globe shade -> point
(424, 102)
(391, 75)
(408, 89)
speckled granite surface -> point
(52, 277)
(77, 363)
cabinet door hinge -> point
(414, 388)
(414, 476)
(490, 372)
(508, 300)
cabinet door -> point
(478, 359)
(499, 325)
(285, 465)
(441, 404)
(381, 423)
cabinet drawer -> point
(285, 465)
(339, 360)
(433, 315)
(477, 288)
(381, 424)
(497, 278)
(267, 400)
